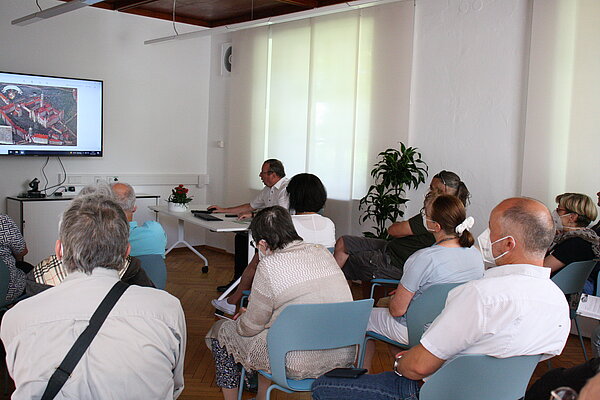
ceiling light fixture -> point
(315, 12)
(53, 11)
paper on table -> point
(589, 306)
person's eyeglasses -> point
(563, 393)
(265, 172)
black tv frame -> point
(64, 153)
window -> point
(324, 95)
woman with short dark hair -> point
(290, 271)
(307, 197)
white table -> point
(228, 224)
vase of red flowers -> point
(178, 200)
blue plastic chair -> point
(155, 268)
(311, 327)
(421, 312)
(570, 279)
(476, 377)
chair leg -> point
(269, 390)
(241, 386)
(362, 350)
(580, 338)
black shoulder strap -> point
(66, 367)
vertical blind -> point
(323, 95)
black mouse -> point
(211, 209)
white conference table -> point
(228, 224)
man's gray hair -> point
(127, 199)
(94, 232)
(101, 188)
(534, 230)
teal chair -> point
(155, 268)
(476, 377)
(421, 312)
(311, 327)
(571, 279)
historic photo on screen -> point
(38, 115)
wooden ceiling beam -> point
(123, 5)
(169, 17)
(301, 3)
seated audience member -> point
(272, 174)
(146, 240)
(366, 258)
(290, 271)
(12, 251)
(596, 227)
(139, 350)
(51, 271)
(574, 241)
(574, 378)
(451, 259)
(515, 309)
(149, 238)
(307, 196)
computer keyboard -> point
(207, 217)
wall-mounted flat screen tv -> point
(50, 116)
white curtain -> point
(561, 135)
(324, 95)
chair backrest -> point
(425, 308)
(4, 280)
(315, 327)
(476, 377)
(155, 268)
(572, 277)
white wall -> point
(217, 131)
(468, 85)
(155, 97)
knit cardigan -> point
(300, 273)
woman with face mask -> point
(450, 259)
(366, 258)
(290, 271)
(574, 241)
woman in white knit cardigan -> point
(289, 272)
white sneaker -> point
(223, 305)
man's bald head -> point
(124, 196)
(528, 221)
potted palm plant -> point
(394, 173)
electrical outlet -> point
(71, 189)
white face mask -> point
(425, 219)
(261, 253)
(558, 220)
(485, 245)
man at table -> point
(272, 174)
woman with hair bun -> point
(450, 259)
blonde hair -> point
(580, 204)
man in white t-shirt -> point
(515, 309)
(272, 174)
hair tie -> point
(465, 225)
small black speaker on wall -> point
(226, 59)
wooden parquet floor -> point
(195, 290)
